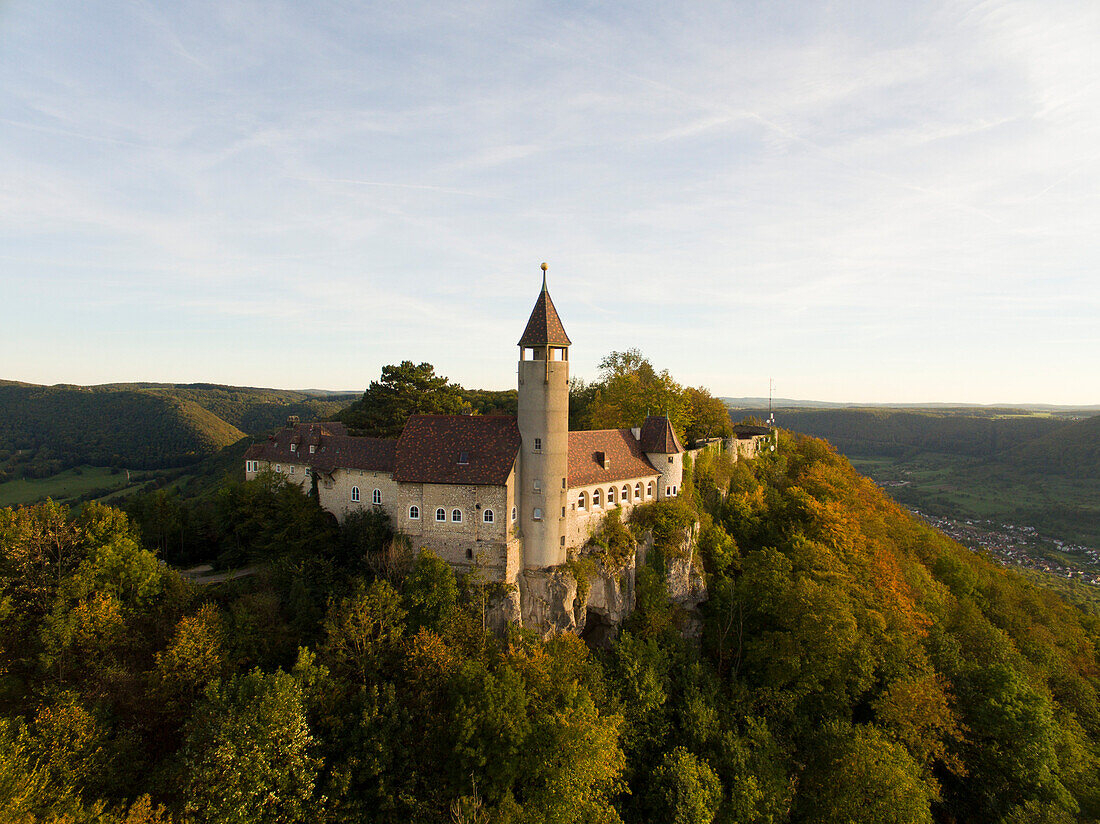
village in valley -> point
(1022, 546)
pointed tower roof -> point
(658, 436)
(544, 326)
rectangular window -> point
(312, 448)
(537, 485)
(538, 444)
(537, 514)
(670, 459)
(294, 447)
(563, 511)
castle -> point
(509, 494)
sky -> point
(876, 201)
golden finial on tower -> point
(544, 268)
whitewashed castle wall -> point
(583, 522)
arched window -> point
(355, 493)
(456, 515)
(441, 514)
(414, 513)
(649, 490)
(582, 501)
(376, 497)
(626, 494)
(638, 491)
(595, 499)
(514, 513)
(610, 495)
(487, 516)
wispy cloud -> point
(825, 193)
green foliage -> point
(670, 521)
(430, 593)
(855, 774)
(492, 402)
(629, 388)
(852, 665)
(612, 542)
(249, 754)
(684, 790)
(50, 428)
(404, 389)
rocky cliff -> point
(592, 598)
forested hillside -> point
(51, 428)
(47, 429)
(893, 432)
(1072, 450)
(853, 665)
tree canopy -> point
(629, 388)
(850, 664)
(404, 389)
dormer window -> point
(463, 457)
(312, 448)
(294, 447)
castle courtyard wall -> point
(583, 522)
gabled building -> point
(506, 493)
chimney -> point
(603, 460)
(636, 431)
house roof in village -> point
(544, 327)
(333, 448)
(432, 449)
(619, 446)
(659, 436)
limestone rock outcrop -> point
(551, 601)
(548, 597)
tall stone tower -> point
(544, 429)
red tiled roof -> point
(334, 448)
(619, 446)
(431, 446)
(544, 326)
(659, 436)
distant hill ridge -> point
(44, 429)
(1009, 437)
(794, 404)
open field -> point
(959, 487)
(65, 486)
